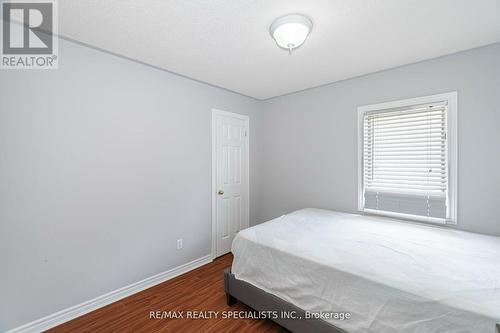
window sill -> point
(411, 217)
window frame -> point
(452, 154)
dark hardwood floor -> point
(199, 290)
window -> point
(407, 163)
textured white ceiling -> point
(227, 43)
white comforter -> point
(391, 276)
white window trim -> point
(452, 99)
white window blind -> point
(405, 164)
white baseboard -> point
(78, 310)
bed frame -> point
(261, 300)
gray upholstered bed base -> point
(260, 300)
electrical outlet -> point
(179, 244)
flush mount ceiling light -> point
(290, 31)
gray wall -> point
(310, 150)
(104, 163)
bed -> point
(390, 276)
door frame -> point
(215, 113)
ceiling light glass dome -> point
(290, 31)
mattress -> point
(389, 275)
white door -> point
(230, 178)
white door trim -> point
(216, 112)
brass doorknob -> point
(221, 192)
